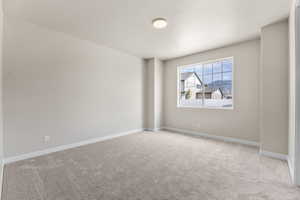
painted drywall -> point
(150, 94)
(292, 90)
(66, 88)
(243, 121)
(274, 87)
(154, 81)
(158, 93)
(1, 112)
(297, 65)
(294, 94)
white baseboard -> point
(152, 130)
(274, 155)
(216, 137)
(67, 146)
(291, 169)
(1, 177)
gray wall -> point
(274, 87)
(297, 118)
(1, 113)
(66, 88)
(243, 121)
(150, 90)
(154, 94)
(292, 89)
(294, 94)
(158, 93)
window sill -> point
(204, 107)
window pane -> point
(217, 79)
(227, 76)
(217, 67)
(227, 65)
(190, 86)
(199, 70)
(207, 79)
(207, 69)
(206, 85)
(187, 69)
(227, 90)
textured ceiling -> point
(194, 25)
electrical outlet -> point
(46, 138)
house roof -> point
(186, 75)
(211, 90)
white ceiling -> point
(194, 25)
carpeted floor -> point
(151, 166)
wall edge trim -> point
(66, 146)
(291, 169)
(1, 178)
(270, 154)
(216, 137)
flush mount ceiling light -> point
(159, 23)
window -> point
(206, 85)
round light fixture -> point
(159, 23)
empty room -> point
(150, 100)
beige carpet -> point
(151, 166)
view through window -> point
(206, 84)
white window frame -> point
(203, 106)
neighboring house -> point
(210, 93)
(191, 88)
(190, 85)
(217, 94)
